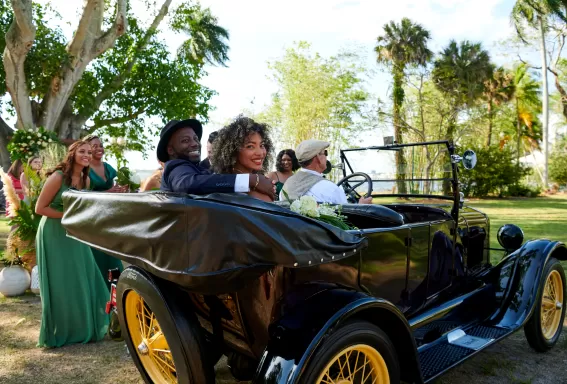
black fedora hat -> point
(169, 129)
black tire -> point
(180, 328)
(533, 329)
(356, 332)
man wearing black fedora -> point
(179, 148)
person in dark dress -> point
(179, 148)
(206, 164)
(286, 165)
(101, 177)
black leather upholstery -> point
(379, 215)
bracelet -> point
(257, 182)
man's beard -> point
(182, 156)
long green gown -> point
(73, 294)
(104, 261)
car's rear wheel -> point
(359, 352)
(165, 342)
(545, 326)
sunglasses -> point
(324, 153)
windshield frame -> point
(453, 179)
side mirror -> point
(510, 237)
(469, 159)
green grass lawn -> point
(540, 217)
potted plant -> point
(22, 217)
(14, 278)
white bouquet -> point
(307, 206)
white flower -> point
(39, 134)
(309, 206)
(50, 140)
(120, 141)
(29, 137)
(327, 210)
(296, 206)
(44, 144)
(24, 145)
(113, 140)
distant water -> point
(144, 173)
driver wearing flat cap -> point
(179, 148)
(309, 180)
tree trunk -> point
(19, 40)
(398, 99)
(519, 132)
(545, 101)
(447, 174)
(489, 137)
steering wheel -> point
(350, 186)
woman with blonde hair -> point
(73, 292)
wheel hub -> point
(558, 305)
(143, 348)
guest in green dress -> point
(73, 293)
(286, 164)
(102, 177)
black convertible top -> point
(208, 244)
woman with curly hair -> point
(286, 164)
(243, 146)
(73, 292)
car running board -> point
(457, 346)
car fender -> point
(297, 334)
(518, 281)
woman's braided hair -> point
(231, 140)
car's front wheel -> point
(545, 326)
(358, 352)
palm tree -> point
(528, 106)
(459, 73)
(535, 13)
(207, 39)
(402, 45)
(497, 90)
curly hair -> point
(91, 137)
(231, 140)
(66, 166)
(294, 163)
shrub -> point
(558, 162)
(496, 172)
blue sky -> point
(262, 29)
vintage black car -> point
(409, 294)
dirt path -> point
(511, 361)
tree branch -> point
(116, 120)
(119, 79)
(76, 47)
(108, 38)
(19, 40)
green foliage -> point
(461, 70)
(558, 162)
(316, 98)
(24, 144)
(495, 173)
(136, 80)
(52, 155)
(126, 177)
(207, 40)
(26, 221)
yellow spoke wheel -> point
(552, 305)
(148, 339)
(358, 364)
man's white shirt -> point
(324, 191)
